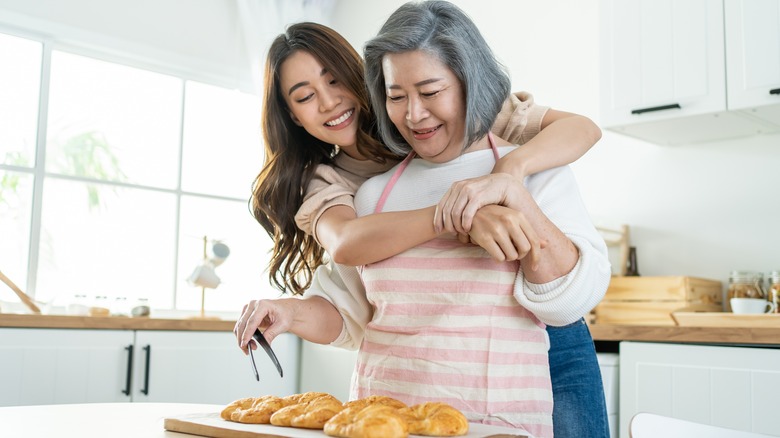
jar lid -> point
(745, 276)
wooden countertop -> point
(698, 335)
(601, 332)
(112, 323)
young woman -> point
(304, 172)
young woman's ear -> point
(295, 119)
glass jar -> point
(78, 306)
(774, 289)
(119, 307)
(141, 308)
(745, 284)
(100, 306)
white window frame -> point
(38, 171)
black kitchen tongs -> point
(260, 339)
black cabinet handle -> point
(655, 108)
(774, 91)
(129, 349)
(148, 350)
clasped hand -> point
(484, 211)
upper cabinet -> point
(667, 74)
(753, 54)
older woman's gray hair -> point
(443, 30)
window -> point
(109, 185)
(19, 96)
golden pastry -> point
(254, 410)
(310, 414)
(435, 419)
(376, 400)
(243, 403)
(302, 398)
(372, 421)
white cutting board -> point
(212, 425)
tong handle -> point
(258, 336)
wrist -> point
(514, 164)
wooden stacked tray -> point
(651, 300)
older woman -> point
(449, 323)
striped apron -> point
(446, 327)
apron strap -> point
(389, 187)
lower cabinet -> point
(42, 366)
(609, 365)
(731, 387)
(53, 366)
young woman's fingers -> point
(253, 321)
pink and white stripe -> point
(446, 327)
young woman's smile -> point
(318, 102)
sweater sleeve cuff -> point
(570, 297)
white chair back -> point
(646, 425)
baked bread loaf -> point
(435, 419)
(376, 400)
(303, 397)
(372, 421)
(312, 413)
(258, 410)
(254, 410)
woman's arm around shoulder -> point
(550, 139)
(563, 138)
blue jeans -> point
(579, 408)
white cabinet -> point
(609, 365)
(732, 387)
(47, 366)
(207, 367)
(663, 69)
(662, 54)
(753, 50)
(42, 366)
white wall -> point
(700, 210)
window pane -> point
(112, 122)
(222, 147)
(99, 240)
(242, 273)
(16, 191)
(20, 79)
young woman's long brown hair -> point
(292, 154)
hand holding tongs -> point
(260, 339)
